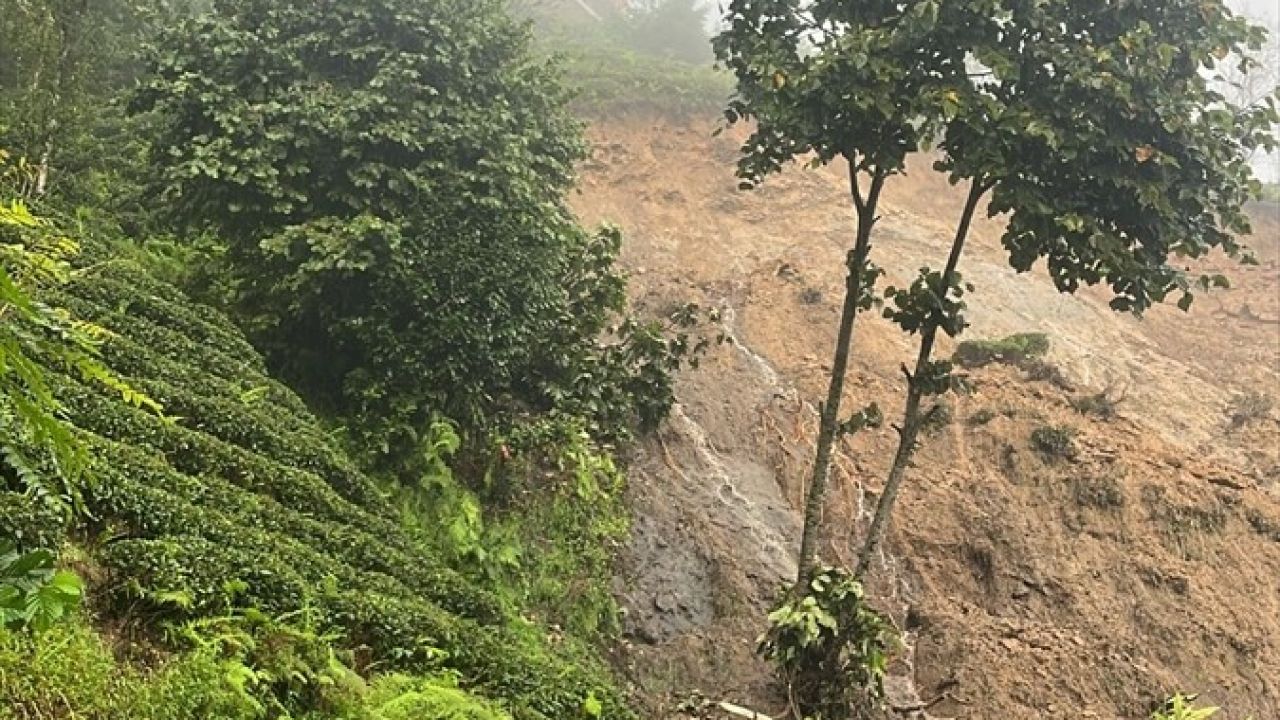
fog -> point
(609, 13)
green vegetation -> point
(33, 594)
(1056, 442)
(372, 194)
(372, 474)
(611, 80)
(71, 671)
(62, 61)
(486, 303)
(830, 646)
(1017, 349)
(655, 58)
(240, 506)
(1182, 707)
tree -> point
(388, 177)
(1096, 130)
(862, 82)
(1091, 123)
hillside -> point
(234, 530)
(1029, 586)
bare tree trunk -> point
(829, 420)
(42, 171)
(912, 418)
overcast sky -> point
(1267, 11)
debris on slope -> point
(1030, 587)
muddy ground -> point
(1028, 586)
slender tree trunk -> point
(42, 170)
(912, 418)
(829, 420)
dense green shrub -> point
(397, 233)
(38, 453)
(1055, 441)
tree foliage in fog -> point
(669, 28)
(388, 177)
(62, 62)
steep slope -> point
(237, 505)
(1030, 586)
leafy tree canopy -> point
(1106, 143)
(388, 177)
(1093, 124)
(863, 81)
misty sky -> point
(1266, 11)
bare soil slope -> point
(1029, 586)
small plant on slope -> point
(1054, 441)
(1248, 408)
(1016, 349)
(33, 593)
(831, 648)
(1182, 707)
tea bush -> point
(237, 500)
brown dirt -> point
(1030, 587)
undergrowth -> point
(234, 537)
(72, 672)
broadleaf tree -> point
(64, 63)
(388, 177)
(1092, 125)
(864, 83)
(1099, 134)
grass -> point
(1017, 349)
(1055, 442)
(72, 672)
